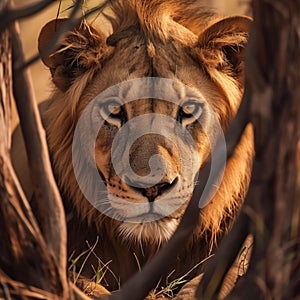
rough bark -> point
(274, 208)
(25, 256)
(50, 209)
(30, 265)
(271, 210)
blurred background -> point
(31, 27)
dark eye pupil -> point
(114, 109)
(189, 109)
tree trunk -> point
(29, 266)
(24, 253)
(274, 209)
(271, 212)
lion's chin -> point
(156, 232)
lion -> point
(203, 55)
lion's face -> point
(150, 169)
(147, 150)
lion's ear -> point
(222, 45)
(83, 48)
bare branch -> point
(8, 16)
(49, 203)
(273, 58)
(25, 256)
(215, 272)
(66, 26)
(219, 265)
(24, 253)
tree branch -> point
(66, 26)
(47, 196)
(275, 114)
(24, 253)
(216, 270)
(221, 262)
(8, 16)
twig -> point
(70, 23)
(77, 294)
(6, 291)
(215, 273)
(10, 15)
(49, 203)
(19, 290)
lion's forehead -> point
(136, 63)
(150, 106)
(141, 95)
(153, 87)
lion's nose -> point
(154, 191)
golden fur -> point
(172, 39)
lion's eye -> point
(112, 112)
(191, 109)
(111, 109)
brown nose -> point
(149, 145)
(154, 191)
(153, 180)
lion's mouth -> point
(139, 210)
(150, 217)
(146, 216)
(151, 193)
